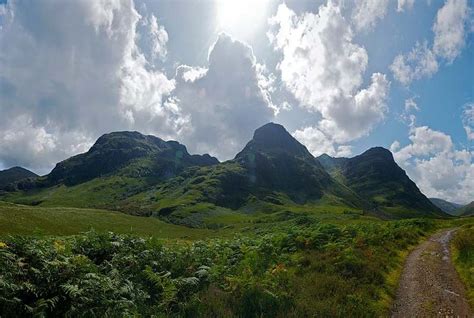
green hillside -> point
(14, 174)
(466, 210)
(446, 206)
(273, 174)
(27, 220)
(375, 177)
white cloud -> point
(405, 4)
(449, 36)
(190, 73)
(95, 68)
(418, 63)
(410, 104)
(407, 116)
(75, 68)
(468, 120)
(323, 68)
(151, 38)
(226, 101)
(366, 13)
(21, 143)
(449, 29)
(318, 143)
(439, 169)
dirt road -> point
(429, 285)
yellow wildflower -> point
(59, 246)
(3, 245)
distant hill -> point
(466, 210)
(273, 173)
(14, 174)
(446, 206)
(375, 176)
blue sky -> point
(340, 75)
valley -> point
(139, 226)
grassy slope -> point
(26, 220)
(97, 193)
(186, 198)
(463, 257)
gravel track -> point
(429, 285)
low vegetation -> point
(298, 268)
(463, 256)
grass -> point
(17, 219)
(97, 193)
(289, 261)
(291, 269)
(463, 257)
(27, 220)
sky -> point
(342, 76)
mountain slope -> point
(275, 160)
(466, 210)
(375, 176)
(273, 174)
(150, 155)
(117, 166)
(15, 174)
(446, 206)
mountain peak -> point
(14, 174)
(269, 129)
(116, 150)
(271, 138)
(378, 151)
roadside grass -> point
(463, 257)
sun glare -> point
(240, 17)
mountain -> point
(273, 159)
(272, 174)
(14, 174)
(117, 166)
(466, 210)
(150, 156)
(375, 176)
(446, 206)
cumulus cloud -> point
(405, 4)
(37, 144)
(449, 36)
(324, 68)
(449, 29)
(225, 101)
(418, 63)
(468, 120)
(70, 71)
(439, 169)
(154, 37)
(366, 13)
(318, 143)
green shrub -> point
(292, 269)
(463, 255)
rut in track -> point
(429, 285)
